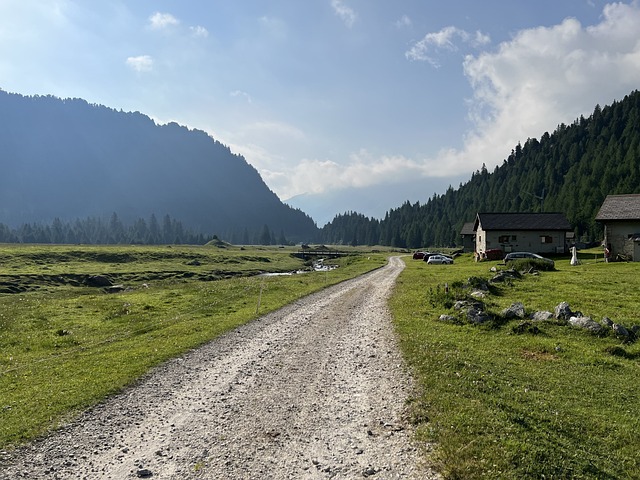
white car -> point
(439, 260)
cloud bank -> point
(521, 88)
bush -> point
(531, 263)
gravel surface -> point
(314, 390)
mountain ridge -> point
(68, 159)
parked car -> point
(419, 255)
(510, 257)
(436, 259)
(494, 254)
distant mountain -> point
(571, 171)
(69, 159)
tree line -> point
(94, 230)
(571, 171)
(97, 231)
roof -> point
(467, 229)
(620, 207)
(522, 221)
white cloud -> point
(403, 22)
(445, 39)
(142, 63)
(547, 76)
(199, 31)
(160, 21)
(526, 86)
(240, 93)
(346, 14)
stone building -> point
(620, 216)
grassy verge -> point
(544, 401)
(65, 346)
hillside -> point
(571, 171)
(68, 159)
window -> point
(546, 239)
(505, 238)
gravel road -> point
(315, 390)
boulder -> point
(516, 310)
(505, 275)
(585, 322)
(477, 316)
(620, 331)
(466, 305)
(562, 311)
(606, 322)
(541, 316)
(447, 318)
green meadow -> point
(511, 399)
(507, 399)
(65, 346)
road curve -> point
(314, 390)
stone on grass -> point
(541, 316)
(606, 322)
(585, 322)
(620, 331)
(516, 310)
(562, 311)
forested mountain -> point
(68, 160)
(571, 171)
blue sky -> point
(335, 96)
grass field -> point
(510, 400)
(65, 346)
(500, 400)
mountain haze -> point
(68, 159)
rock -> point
(620, 331)
(505, 275)
(516, 310)
(144, 473)
(466, 305)
(447, 318)
(477, 316)
(606, 322)
(541, 316)
(562, 311)
(586, 323)
(478, 294)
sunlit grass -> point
(551, 403)
(64, 348)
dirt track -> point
(315, 390)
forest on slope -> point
(571, 171)
(65, 159)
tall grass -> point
(511, 400)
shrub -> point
(531, 263)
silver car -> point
(439, 260)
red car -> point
(421, 255)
